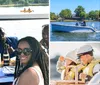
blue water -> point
(63, 36)
(54, 75)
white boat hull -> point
(71, 28)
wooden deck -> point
(66, 82)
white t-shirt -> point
(39, 73)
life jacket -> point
(71, 73)
(89, 69)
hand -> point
(10, 49)
(82, 76)
(61, 58)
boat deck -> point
(66, 82)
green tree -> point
(1, 2)
(30, 1)
(66, 13)
(92, 14)
(80, 11)
(26, 2)
(87, 16)
(21, 1)
(8, 2)
(53, 16)
(97, 14)
(82, 15)
(37, 1)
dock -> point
(24, 16)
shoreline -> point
(74, 21)
(21, 5)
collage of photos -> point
(74, 42)
(49, 42)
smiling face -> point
(23, 46)
(68, 62)
(85, 59)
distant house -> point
(74, 17)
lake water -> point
(54, 75)
(22, 28)
(16, 10)
(62, 36)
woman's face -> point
(68, 62)
(24, 52)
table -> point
(5, 78)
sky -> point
(62, 48)
(57, 5)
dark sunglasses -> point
(25, 51)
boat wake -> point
(97, 31)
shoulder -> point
(29, 71)
(12, 38)
(96, 68)
(41, 41)
(29, 77)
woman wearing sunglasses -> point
(31, 63)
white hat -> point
(72, 56)
(84, 49)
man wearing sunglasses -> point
(85, 54)
(10, 42)
(45, 38)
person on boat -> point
(31, 63)
(83, 23)
(65, 65)
(76, 24)
(95, 80)
(10, 42)
(45, 38)
(24, 10)
(29, 10)
(92, 66)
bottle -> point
(0, 59)
(6, 58)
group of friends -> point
(32, 61)
(82, 59)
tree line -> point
(24, 2)
(79, 13)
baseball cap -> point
(84, 49)
(72, 56)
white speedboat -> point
(71, 28)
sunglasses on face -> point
(25, 51)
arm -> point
(60, 66)
(96, 69)
(29, 77)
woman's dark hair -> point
(38, 56)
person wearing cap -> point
(45, 38)
(11, 43)
(92, 66)
(65, 65)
